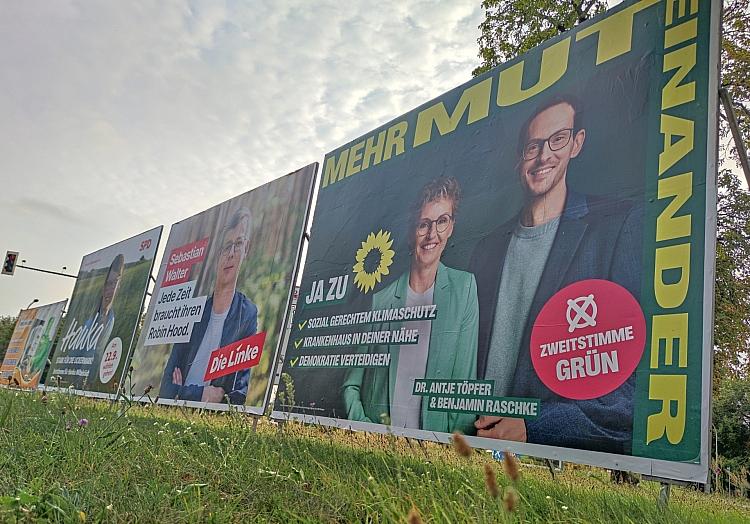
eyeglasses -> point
(237, 246)
(557, 141)
(441, 224)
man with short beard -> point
(558, 238)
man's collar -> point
(576, 205)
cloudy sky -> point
(116, 117)
(120, 116)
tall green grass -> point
(133, 463)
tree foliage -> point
(512, 27)
(7, 325)
(732, 421)
(732, 299)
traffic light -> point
(9, 266)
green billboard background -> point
(628, 68)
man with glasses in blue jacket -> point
(228, 316)
(559, 237)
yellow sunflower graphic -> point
(375, 252)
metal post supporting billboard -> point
(664, 495)
(732, 120)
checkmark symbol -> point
(297, 343)
(293, 361)
(302, 324)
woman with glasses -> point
(447, 344)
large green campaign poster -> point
(528, 258)
(93, 350)
(216, 317)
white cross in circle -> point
(580, 307)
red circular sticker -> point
(588, 339)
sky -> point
(121, 116)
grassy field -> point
(66, 458)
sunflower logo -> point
(373, 260)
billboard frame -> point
(255, 411)
(666, 470)
(277, 364)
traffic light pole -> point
(47, 271)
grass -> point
(133, 463)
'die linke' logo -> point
(84, 337)
(236, 356)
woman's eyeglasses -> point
(441, 224)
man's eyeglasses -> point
(237, 246)
(441, 224)
(557, 141)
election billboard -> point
(30, 345)
(528, 258)
(218, 308)
(94, 346)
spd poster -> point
(94, 346)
